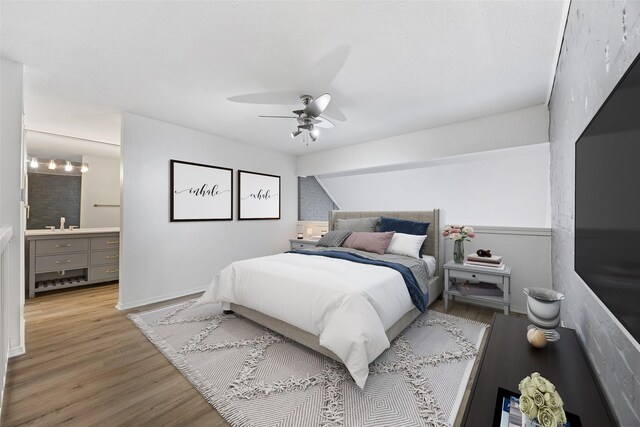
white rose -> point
(467, 229)
(455, 236)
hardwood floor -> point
(87, 364)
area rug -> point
(255, 377)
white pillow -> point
(406, 244)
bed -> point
(278, 290)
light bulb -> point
(52, 164)
(68, 167)
(315, 133)
(34, 163)
(84, 168)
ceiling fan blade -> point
(280, 117)
(335, 113)
(325, 123)
(325, 70)
(317, 106)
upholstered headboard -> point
(431, 244)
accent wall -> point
(601, 40)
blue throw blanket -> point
(419, 299)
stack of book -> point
(493, 262)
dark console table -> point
(508, 358)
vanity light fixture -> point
(68, 167)
(34, 163)
(84, 168)
(52, 165)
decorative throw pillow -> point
(370, 242)
(403, 226)
(359, 224)
(333, 239)
(406, 244)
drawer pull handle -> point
(66, 261)
(112, 271)
(113, 242)
(473, 275)
(66, 245)
(112, 256)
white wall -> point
(512, 129)
(161, 260)
(601, 40)
(11, 208)
(100, 185)
(501, 188)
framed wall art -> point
(200, 192)
(258, 196)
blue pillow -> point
(403, 226)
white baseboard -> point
(160, 298)
(17, 351)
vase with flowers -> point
(540, 402)
(458, 233)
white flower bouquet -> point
(540, 401)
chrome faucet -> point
(62, 223)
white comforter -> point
(348, 305)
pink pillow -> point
(370, 242)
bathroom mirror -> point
(71, 178)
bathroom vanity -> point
(57, 259)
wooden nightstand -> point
(502, 278)
(302, 243)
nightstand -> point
(302, 243)
(502, 278)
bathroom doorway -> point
(72, 198)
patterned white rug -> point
(255, 377)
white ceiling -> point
(391, 67)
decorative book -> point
(484, 265)
(495, 259)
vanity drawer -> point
(106, 272)
(104, 257)
(59, 246)
(109, 242)
(60, 262)
(489, 278)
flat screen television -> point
(607, 204)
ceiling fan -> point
(309, 118)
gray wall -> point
(600, 42)
(313, 202)
(51, 197)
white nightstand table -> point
(502, 278)
(302, 243)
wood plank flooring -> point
(87, 364)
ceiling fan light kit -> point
(309, 117)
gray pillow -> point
(360, 224)
(333, 239)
